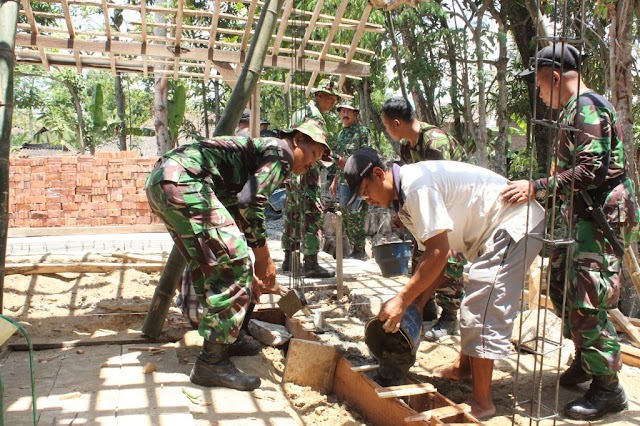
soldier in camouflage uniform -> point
(589, 158)
(421, 142)
(303, 194)
(353, 136)
(211, 195)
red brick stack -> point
(101, 190)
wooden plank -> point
(80, 267)
(107, 28)
(247, 26)
(329, 39)
(26, 5)
(440, 413)
(284, 21)
(143, 19)
(78, 230)
(360, 392)
(178, 41)
(196, 54)
(356, 39)
(629, 328)
(212, 38)
(405, 390)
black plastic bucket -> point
(393, 258)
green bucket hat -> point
(347, 104)
(315, 130)
(328, 86)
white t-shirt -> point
(463, 200)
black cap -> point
(358, 167)
(562, 56)
(246, 114)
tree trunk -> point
(523, 28)
(205, 110)
(621, 15)
(78, 107)
(161, 94)
(481, 129)
(454, 91)
(8, 24)
(120, 107)
(500, 161)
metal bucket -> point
(393, 258)
(395, 352)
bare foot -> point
(454, 372)
(482, 411)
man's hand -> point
(395, 221)
(333, 188)
(391, 313)
(518, 192)
(265, 269)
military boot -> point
(312, 269)
(213, 368)
(359, 253)
(286, 263)
(245, 345)
(604, 396)
(575, 374)
(430, 311)
(447, 325)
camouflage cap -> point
(347, 104)
(315, 130)
(328, 86)
(246, 115)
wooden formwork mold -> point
(362, 393)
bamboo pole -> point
(248, 78)
(8, 24)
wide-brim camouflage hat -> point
(315, 130)
(328, 86)
(347, 104)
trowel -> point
(293, 301)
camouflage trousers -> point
(451, 291)
(205, 232)
(593, 275)
(303, 194)
(354, 217)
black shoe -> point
(213, 368)
(244, 345)
(286, 263)
(604, 396)
(359, 253)
(312, 269)
(575, 374)
(430, 311)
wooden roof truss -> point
(194, 43)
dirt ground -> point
(71, 306)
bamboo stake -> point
(8, 24)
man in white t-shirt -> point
(449, 205)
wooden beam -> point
(81, 267)
(26, 5)
(356, 40)
(626, 325)
(178, 36)
(247, 27)
(71, 30)
(196, 54)
(107, 25)
(440, 413)
(405, 390)
(212, 38)
(630, 355)
(228, 73)
(143, 19)
(283, 26)
(332, 33)
(305, 39)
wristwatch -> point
(541, 191)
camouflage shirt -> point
(243, 171)
(310, 110)
(433, 144)
(592, 138)
(350, 139)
